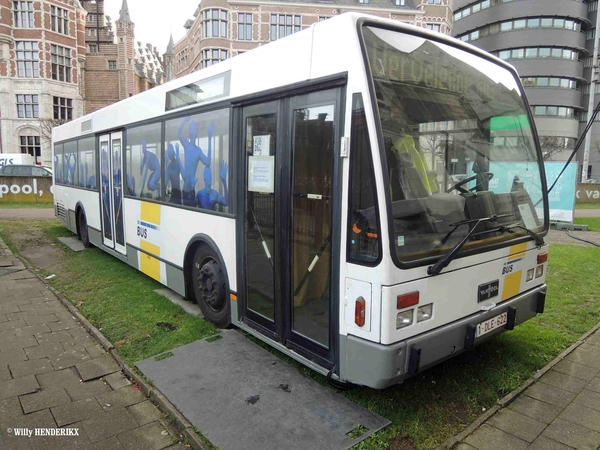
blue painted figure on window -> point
(151, 164)
(173, 170)
(91, 180)
(82, 175)
(72, 165)
(193, 155)
(57, 174)
(208, 198)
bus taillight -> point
(359, 311)
(542, 258)
(407, 300)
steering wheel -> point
(459, 186)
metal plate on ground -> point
(73, 243)
(240, 396)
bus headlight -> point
(530, 275)
(424, 312)
(539, 271)
(404, 319)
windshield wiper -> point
(539, 241)
(470, 221)
(448, 257)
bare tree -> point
(46, 126)
(551, 146)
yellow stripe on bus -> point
(150, 212)
(148, 264)
(517, 251)
(512, 285)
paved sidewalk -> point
(587, 212)
(560, 411)
(53, 373)
(27, 213)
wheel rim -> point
(209, 283)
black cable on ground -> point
(582, 240)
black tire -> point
(84, 235)
(209, 286)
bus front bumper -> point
(379, 366)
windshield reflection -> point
(458, 146)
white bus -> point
(366, 196)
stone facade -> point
(221, 29)
(42, 53)
(119, 65)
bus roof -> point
(326, 48)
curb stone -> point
(451, 442)
(157, 397)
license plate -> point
(491, 324)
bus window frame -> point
(404, 265)
(173, 116)
(77, 139)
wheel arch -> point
(196, 241)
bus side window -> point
(364, 243)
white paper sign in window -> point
(261, 174)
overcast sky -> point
(155, 19)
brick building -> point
(42, 51)
(221, 29)
(117, 66)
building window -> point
(551, 82)
(24, 17)
(215, 23)
(434, 27)
(61, 63)
(112, 65)
(91, 17)
(323, 19)
(63, 108)
(28, 59)
(284, 25)
(28, 106)
(539, 52)
(400, 2)
(244, 27)
(59, 20)
(364, 1)
(31, 145)
(92, 32)
(555, 111)
(213, 56)
(520, 24)
(93, 48)
(434, 2)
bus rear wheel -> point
(210, 287)
(83, 230)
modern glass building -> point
(551, 43)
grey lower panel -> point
(448, 341)
(242, 397)
(175, 279)
(95, 237)
(371, 364)
(379, 366)
(72, 221)
(132, 257)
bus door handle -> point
(313, 196)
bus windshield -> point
(458, 147)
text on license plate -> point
(491, 324)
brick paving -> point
(54, 374)
(560, 411)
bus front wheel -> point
(210, 287)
